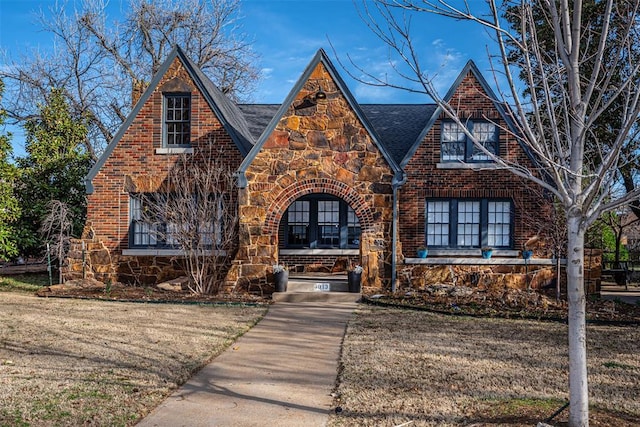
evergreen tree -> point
(53, 169)
(9, 210)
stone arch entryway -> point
(371, 248)
(320, 186)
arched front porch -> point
(275, 240)
(319, 233)
(323, 199)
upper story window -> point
(457, 147)
(321, 222)
(177, 120)
(469, 223)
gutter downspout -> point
(241, 179)
(398, 180)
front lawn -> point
(69, 362)
(30, 283)
(415, 368)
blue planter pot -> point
(422, 253)
(487, 254)
(527, 254)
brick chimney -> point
(137, 89)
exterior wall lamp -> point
(311, 100)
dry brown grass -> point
(425, 369)
(67, 362)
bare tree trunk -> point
(578, 386)
(579, 70)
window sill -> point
(472, 252)
(471, 166)
(482, 261)
(319, 252)
(163, 252)
(174, 150)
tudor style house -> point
(320, 177)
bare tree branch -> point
(97, 61)
(196, 212)
(56, 229)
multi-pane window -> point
(438, 223)
(321, 222)
(487, 135)
(469, 223)
(150, 227)
(457, 146)
(298, 223)
(353, 228)
(453, 142)
(177, 120)
(499, 224)
(143, 231)
(329, 223)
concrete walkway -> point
(280, 373)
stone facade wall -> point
(91, 259)
(320, 149)
(486, 276)
(425, 180)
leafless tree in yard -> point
(56, 229)
(99, 61)
(548, 218)
(567, 91)
(196, 212)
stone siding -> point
(485, 276)
(322, 149)
(92, 259)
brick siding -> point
(425, 180)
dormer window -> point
(457, 147)
(177, 120)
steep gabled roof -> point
(320, 57)
(398, 125)
(226, 111)
(500, 107)
(258, 117)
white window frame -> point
(486, 132)
(485, 222)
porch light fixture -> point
(306, 103)
(310, 101)
(320, 95)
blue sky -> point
(287, 33)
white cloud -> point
(266, 73)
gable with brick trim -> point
(463, 182)
(137, 161)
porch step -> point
(316, 288)
(317, 284)
(315, 297)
